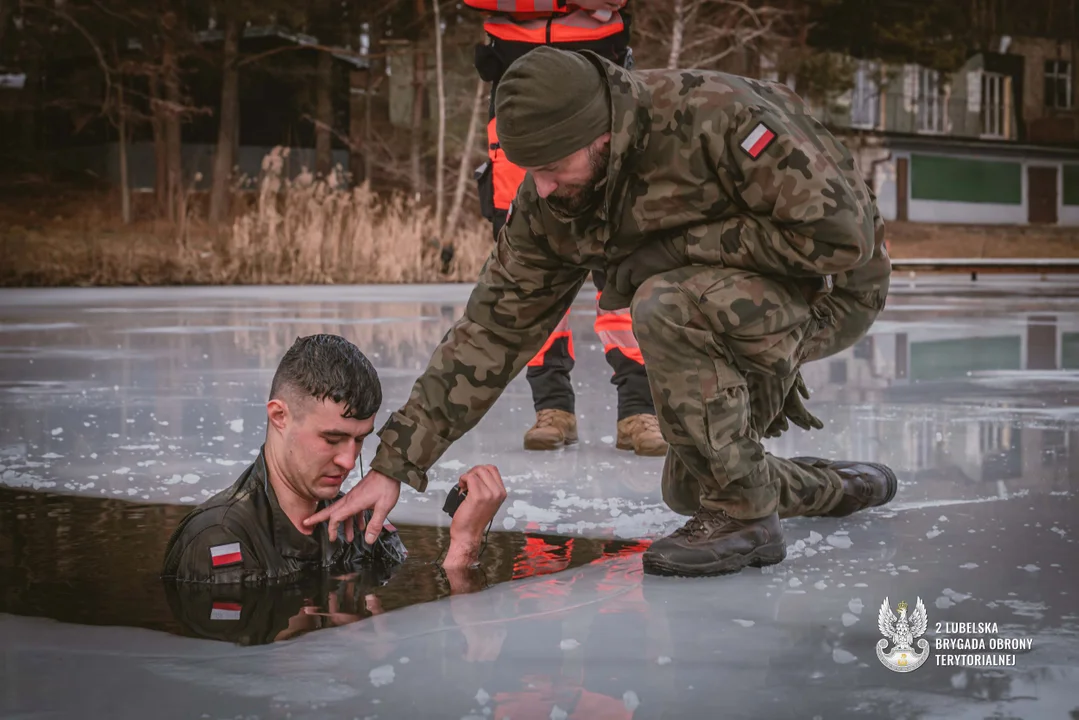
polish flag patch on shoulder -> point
(225, 555)
(758, 140)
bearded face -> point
(575, 197)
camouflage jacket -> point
(737, 166)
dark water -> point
(97, 561)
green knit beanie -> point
(550, 103)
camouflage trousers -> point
(723, 349)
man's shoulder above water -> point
(220, 538)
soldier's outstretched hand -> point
(376, 492)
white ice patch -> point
(51, 456)
(530, 513)
(745, 623)
(452, 465)
(663, 660)
(820, 585)
(849, 619)
(190, 479)
(509, 523)
(842, 657)
(140, 447)
(839, 541)
(57, 431)
(856, 606)
(227, 463)
(237, 426)
(1058, 531)
(968, 566)
(569, 644)
(607, 439)
(482, 697)
(934, 532)
(814, 538)
(382, 675)
(630, 700)
(1029, 568)
(16, 479)
(187, 499)
(121, 471)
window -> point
(994, 105)
(1058, 84)
(930, 101)
(865, 97)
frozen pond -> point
(969, 390)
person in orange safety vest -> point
(514, 27)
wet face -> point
(569, 184)
(318, 448)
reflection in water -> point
(97, 562)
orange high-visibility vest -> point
(545, 22)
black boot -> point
(713, 543)
(865, 484)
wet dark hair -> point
(329, 366)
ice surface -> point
(155, 392)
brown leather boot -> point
(713, 543)
(553, 429)
(865, 484)
(641, 434)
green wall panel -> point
(935, 177)
(1069, 351)
(943, 359)
(1071, 184)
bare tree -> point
(703, 33)
(228, 120)
(465, 168)
(324, 114)
(419, 85)
(678, 33)
(172, 108)
(440, 162)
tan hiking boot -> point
(641, 434)
(553, 429)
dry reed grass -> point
(310, 230)
(305, 230)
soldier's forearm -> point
(754, 243)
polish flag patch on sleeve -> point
(225, 555)
(758, 140)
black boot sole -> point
(771, 554)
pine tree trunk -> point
(125, 182)
(440, 162)
(419, 85)
(464, 169)
(161, 154)
(224, 153)
(324, 115)
(173, 142)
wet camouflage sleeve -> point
(522, 293)
(807, 211)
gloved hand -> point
(652, 258)
(795, 411)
